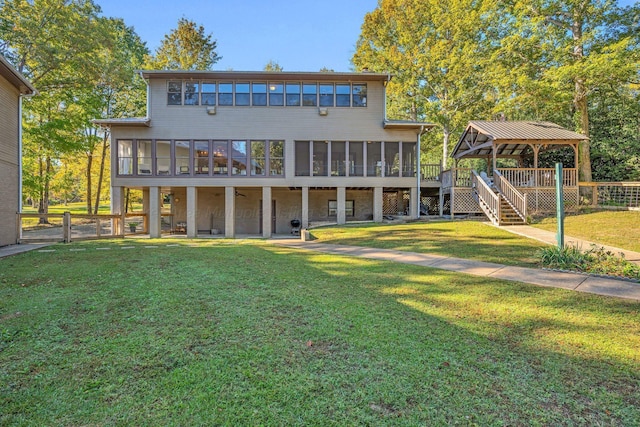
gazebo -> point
(527, 189)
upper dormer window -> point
(326, 94)
(174, 95)
(359, 95)
(191, 93)
(208, 93)
(248, 93)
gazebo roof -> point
(481, 138)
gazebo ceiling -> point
(512, 139)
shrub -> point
(596, 260)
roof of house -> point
(264, 75)
(480, 138)
(406, 124)
(128, 121)
(14, 77)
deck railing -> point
(517, 199)
(540, 177)
(456, 177)
(430, 172)
(488, 200)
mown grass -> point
(237, 333)
(464, 239)
(620, 229)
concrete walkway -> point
(572, 281)
(6, 251)
(550, 238)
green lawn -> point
(225, 332)
(463, 239)
(614, 228)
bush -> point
(596, 260)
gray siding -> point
(248, 122)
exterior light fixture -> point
(211, 111)
(323, 111)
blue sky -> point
(301, 35)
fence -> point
(611, 194)
(67, 227)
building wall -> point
(9, 157)
(276, 123)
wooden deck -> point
(533, 186)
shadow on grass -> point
(246, 333)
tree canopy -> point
(526, 59)
(186, 47)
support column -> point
(117, 208)
(341, 196)
(414, 204)
(377, 204)
(229, 212)
(155, 229)
(192, 212)
(266, 212)
(305, 207)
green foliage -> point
(596, 260)
(186, 47)
(439, 55)
(83, 67)
(273, 66)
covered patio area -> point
(526, 185)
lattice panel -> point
(463, 201)
(619, 195)
(389, 203)
(430, 204)
(544, 200)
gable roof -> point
(15, 78)
(480, 138)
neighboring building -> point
(12, 87)
(248, 152)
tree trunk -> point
(89, 184)
(580, 102)
(103, 157)
(43, 207)
(445, 146)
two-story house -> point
(13, 86)
(248, 152)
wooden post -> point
(66, 227)
(559, 206)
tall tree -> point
(273, 66)
(186, 47)
(53, 43)
(116, 92)
(566, 51)
(438, 53)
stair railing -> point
(488, 200)
(516, 198)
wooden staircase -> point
(495, 203)
(508, 214)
